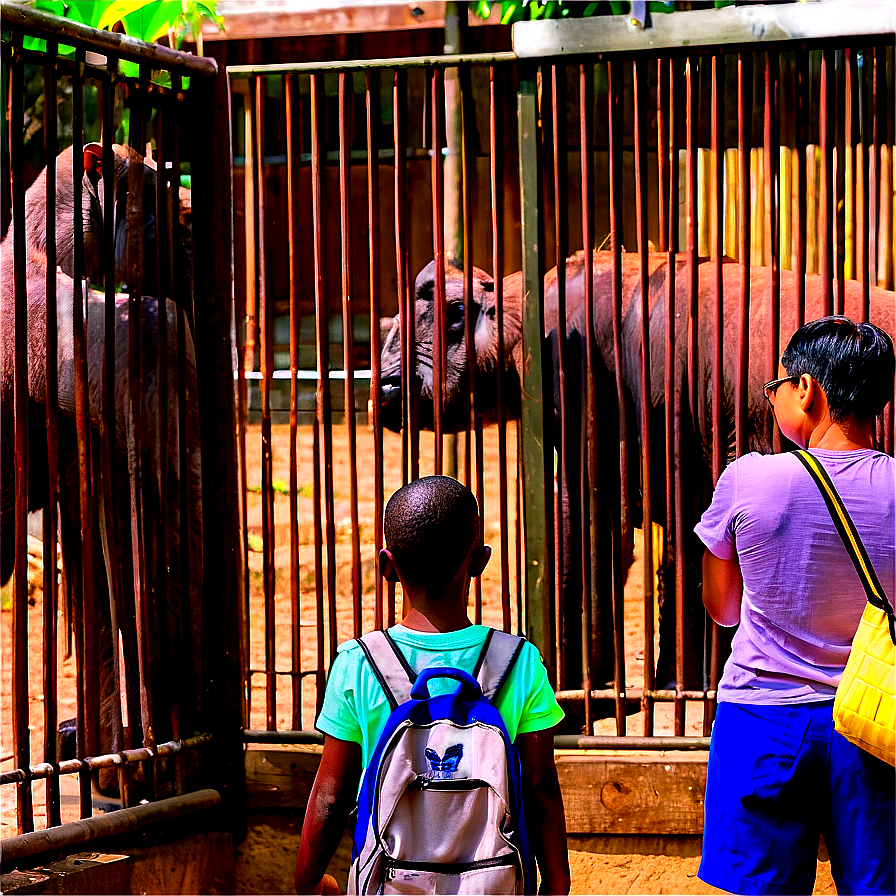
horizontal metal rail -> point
(709, 28)
(94, 763)
(362, 65)
(122, 821)
(561, 741)
(66, 31)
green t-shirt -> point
(356, 709)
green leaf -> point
(128, 69)
(56, 7)
(118, 9)
(152, 20)
(34, 43)
(86, 11)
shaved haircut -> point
(430, 526)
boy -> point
(434, 548)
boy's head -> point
(853, 363)
(431, 526)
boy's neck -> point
(436, 616)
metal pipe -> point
(20, 709)
(439, 363)
(802, 104)
(588, 521)
(322, 366)
(826, 200)
(348, 342)
(496, 146)
(639, 86)
(398, 63)
(266, 326)
(294, 590)
(371, 87)
(744, 119)
(772, 140)
(50, 514)
(623, 524)
(122, 821)
(51, 27)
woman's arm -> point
(543, 802)
(723, 588)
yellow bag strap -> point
(850, 536)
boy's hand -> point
(329, 887)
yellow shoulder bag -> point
(864, 709)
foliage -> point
(520, 10)
(146, 20)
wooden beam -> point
(633, 794)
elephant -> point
(155, 438)
(695, 416)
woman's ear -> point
(387, 566)
(807, 392)
(479, 558)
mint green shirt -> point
(356, 709)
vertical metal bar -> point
(496, 147)
(294, 590)
(92, 639)
(663, 211)
(719, 440)
(322, 369)
(692, 113)
(802, 115)
(561, 241)
(639, 86)
(826, 200)
(437, 106)
(772, 139)
(79, 326)
(20, 713)
(348, 341)
(475, 424)
(371, 86)
(536, 474)
(406, 303)
(845, 214)
(164, 279)
(673, 401)
(51, 517)
(623, 524)
(266, 326)
(878, 98)
(324, 407)
(744, 119)
(863, 63)
(588, 460)
(150, 608)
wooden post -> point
(535, 462)
(222, 702)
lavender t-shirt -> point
(802, 597)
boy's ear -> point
(479, 558)
(387, 566)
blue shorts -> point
(780, 776)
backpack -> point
(440, 808)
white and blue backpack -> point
(440, 808)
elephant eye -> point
(455, 315)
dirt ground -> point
(272, 841)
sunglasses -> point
(771, 389)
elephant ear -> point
(424, 285)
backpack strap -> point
(850, 536)
(389, 666)
(499, 654)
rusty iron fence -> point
(745, 175)
(116, 299)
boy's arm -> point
(543, 805)
(332, 798)
(723, 588)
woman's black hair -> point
(853, 363)
(430, 525)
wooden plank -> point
(280, 777)
(633, 795)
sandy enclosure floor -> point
(282, 616)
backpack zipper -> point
(393, 865)
(451, 784)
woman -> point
(779, 775)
